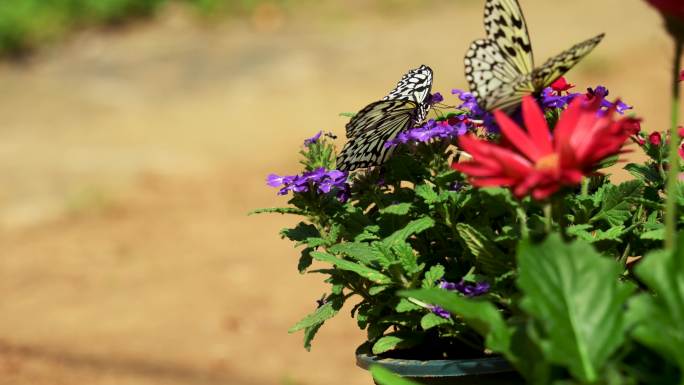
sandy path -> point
(128, 161)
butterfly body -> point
(368, 131)
(500, 68)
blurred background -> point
(135, 135)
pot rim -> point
(437, 368)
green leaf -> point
(428, 193)
(405, 306)
(384, 376)
(430, 320)
(656, 235)
(659, 318)
(643, 172)
(574, 293)
(397, 209)
(321, 314)
(435, 273)
(482, 316)
(361, 252)
(394, 342)
(414, 227)
(363, 271)
(492, 259)
(300, 232)
(309, 334)
(305, 260)
(616, 206)
(278, 210)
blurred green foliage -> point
(26, 24)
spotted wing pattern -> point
(368, 131)
(558, 65)
(500, 69)
(368, 148)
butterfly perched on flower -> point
(402, 109)
(500, 69)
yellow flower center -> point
(548, 162)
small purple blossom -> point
(474, 111)
(436, 98)
(440, 311)
(469, 290)
(551, 99)
(313, 139)
(319, 179)
(456, 186)
(432, 130)
(602, 92)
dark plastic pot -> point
(478, 371)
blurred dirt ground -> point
(129, 160)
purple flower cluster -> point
(473, 110)
(319, 179)
(552, 99)
(469, 290)
(440, 311)
(436, 98)
(444, 129)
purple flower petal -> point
(313, 139)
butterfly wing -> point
(558, 65)
(495, 81)
(505, 25)
(414, 86)
(389, 118)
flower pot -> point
(477, 371)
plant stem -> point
(522, 217)
(673, 172)
(548, 216)
(585, 186)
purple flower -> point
(436, 98)
(474, 112)
(469, 290)
(319, 180)
(602, 92)
(313, 139)
(551, 99)
(456, 186)
(438, 130)
(440, 311)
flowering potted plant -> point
(485, 243)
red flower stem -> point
(673, 172)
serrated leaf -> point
(643, 172)
(428, 193)
(278, 210)
(361, 252)
(378, 289)
(363, 271)
(305, 261)
(394, 342)
(659, 318)
(414, 227)
(489, 256)
(405, 306)
(309, 334)
(574, 294)
(300, 232)
(431, 320)
(617, 204)
(369, 233)
(319, 316)
(397, 209)
(435, 273)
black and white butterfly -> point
(500, 69)
(402, 109)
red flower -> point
(655, 138)
(669, 8)
(681, 76)
(561, 85)
(681, 151)
(538, 162)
